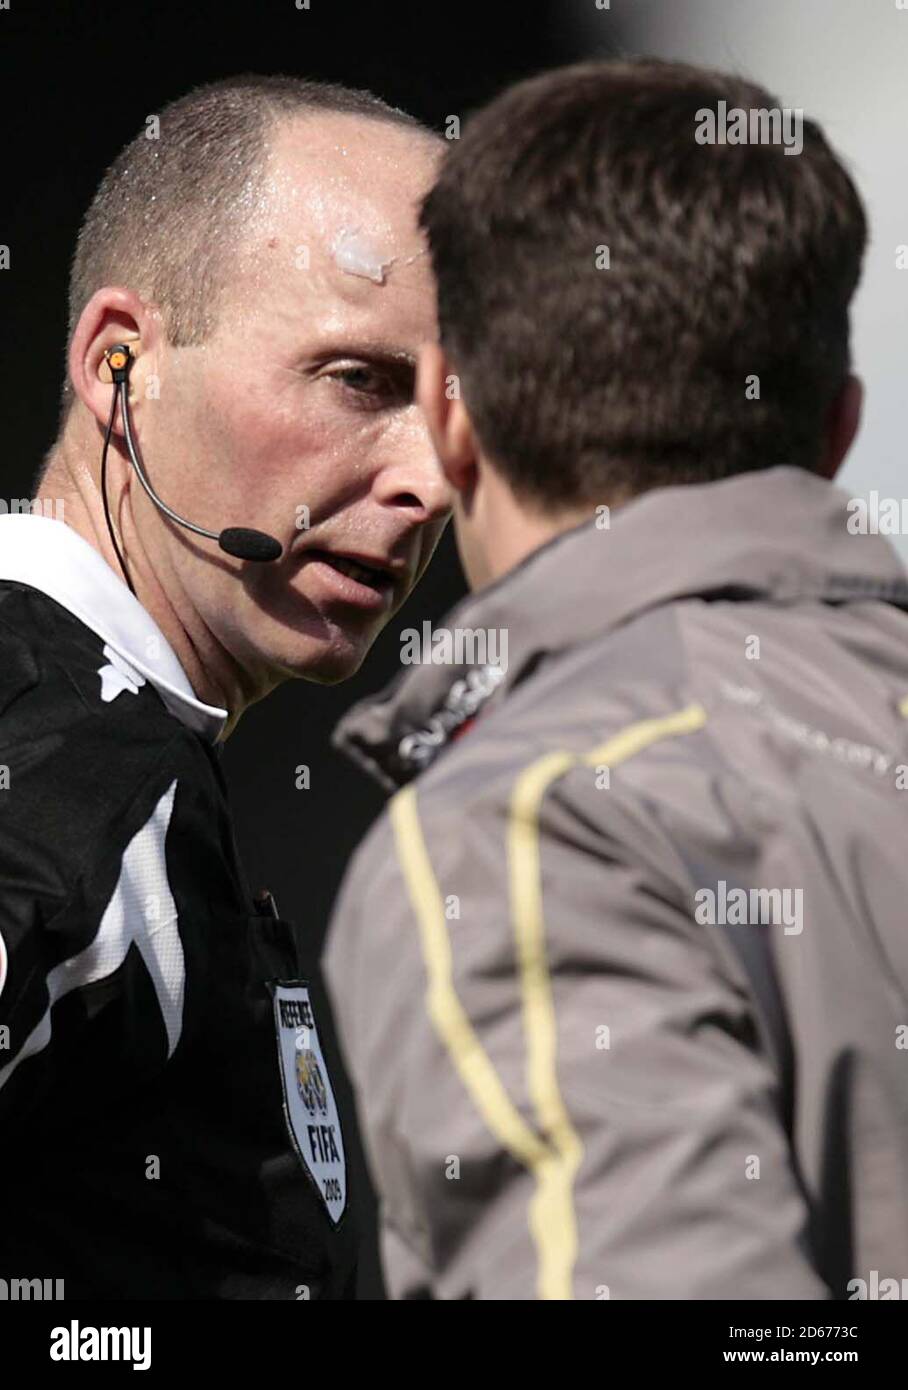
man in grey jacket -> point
(622, 973)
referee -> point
(168, 1123)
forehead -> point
(332, 226)
(325, 165)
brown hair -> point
(726, 261)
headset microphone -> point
(240, 541)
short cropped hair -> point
(170, 208)
(626, 307)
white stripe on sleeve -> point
(141, 910)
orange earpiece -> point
(118, 359)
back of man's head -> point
(627, 307)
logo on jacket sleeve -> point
(309, 1102)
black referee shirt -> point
(168, 1125)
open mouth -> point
(379, 580)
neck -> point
(516, 529)
(215, 676)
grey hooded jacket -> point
(622, 974)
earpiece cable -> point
(109, 519)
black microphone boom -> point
(240, 541)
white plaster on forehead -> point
(357, 253)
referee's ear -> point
(438, 395)
(112, 315)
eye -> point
(373, 385)
(359, 378)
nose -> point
(412, 478)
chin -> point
(330, 665)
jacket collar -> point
(49, 556)
(778, 534)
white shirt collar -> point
(48, 555)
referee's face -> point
(297, 415)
